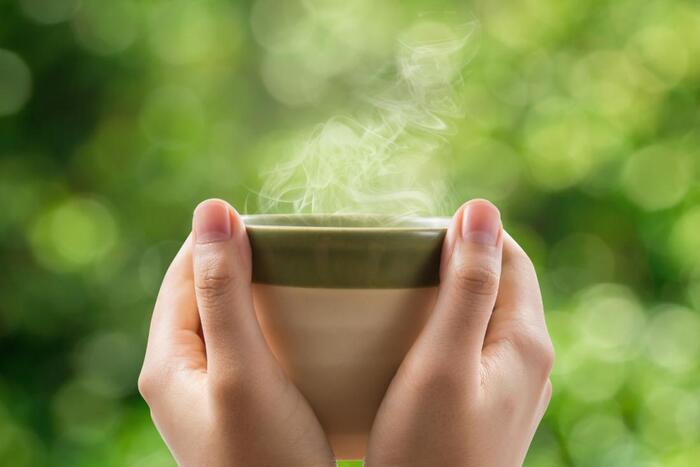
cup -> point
(340, 300)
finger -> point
(173, 340)
(222, 278)
(519, 304)
(175, 307)
(469, 287)
(518, 320)
(175, 311)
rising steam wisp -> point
(385, 161)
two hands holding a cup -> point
(470, 392)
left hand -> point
(216, 393)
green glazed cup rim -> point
(354, 222)
(357, 251)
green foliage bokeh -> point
(582, 123)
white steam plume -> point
(384, 161)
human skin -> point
(474, 386)
(216, 393)
(470, 392)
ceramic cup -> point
(340, 299)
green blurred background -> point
(117, 117)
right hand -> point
(475, 385)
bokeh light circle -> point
(82, 415)
(693, 290)
(20, 447)
(610, 319)
(109, 363)
(106, 28)
(49, 11)
(605, 77)
(595, 440)
(663, 51)
(684, 241)
(672, 339)
(657, 177)
(173, 116)
(669, 417)
(183, 32)
(590, 378)
(564, 144)
(280, 26)
(289, 81)
(491, 170)
(580, 260)
(15, 83)
(73, 234)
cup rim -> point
(355, 222)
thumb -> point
(469, 287)
(222, 278)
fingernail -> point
(212, 222)
(481, 223)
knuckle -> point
(156, 378)
(147, 385)
(537, 350)
(548, 391)
(547, 356)
(478, 280)
(214, 279)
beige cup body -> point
(342, 347)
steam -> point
(386, 159)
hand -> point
(474, 386)
(216, 392)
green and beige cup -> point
(340, 299)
